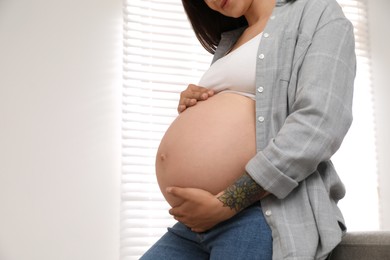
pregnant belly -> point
(208, 145)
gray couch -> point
(363, 246)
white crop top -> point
(235, 72)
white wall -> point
(379, 21)
(60, 92)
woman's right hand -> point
(192, 95)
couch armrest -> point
(373, 245)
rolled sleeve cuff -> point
(269, 177)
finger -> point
(196, 92)
(185, 103)
(173, 212)
(181, 108)
(176, 213)
(190, 102)
(201, 94)
(204, 92)
(178, 192)
(191, 95)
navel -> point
(163, 156)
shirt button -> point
(268, 213)
(260, 89)
(261, 56)
(272, 17)
(266, 35)
(261, 119)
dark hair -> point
(208, 24)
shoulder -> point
(307, 7)
(318, 3)
(329, 9)
(311, 15)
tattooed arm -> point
(241, 194)
(201, 210)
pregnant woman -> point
(219, 133)
(246, 164)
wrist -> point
(241, 194)
(225, 211)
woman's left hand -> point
(200, 210)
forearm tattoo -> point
(241, 194)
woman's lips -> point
(223, 3)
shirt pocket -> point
(293, 50)
(302, 46)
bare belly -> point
(208, 145)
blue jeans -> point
(245, 236)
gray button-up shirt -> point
(304, 81)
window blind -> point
(161, 57)
(356, 160)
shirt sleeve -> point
(320, 115)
